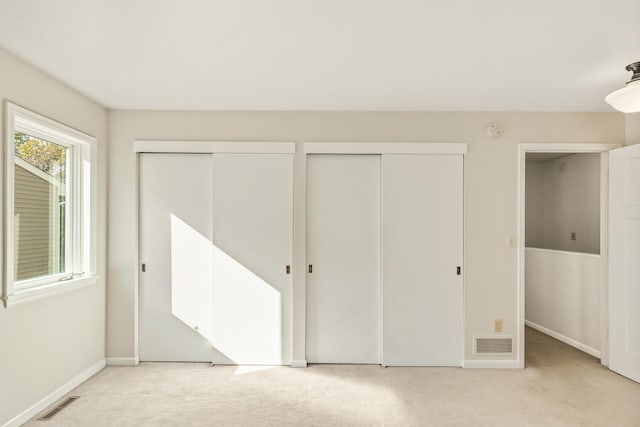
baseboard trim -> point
(55, 395)
(123, 361)
(490, 364)
(569, 341)
(300, 363)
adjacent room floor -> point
(561, 386)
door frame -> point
(380, 148)
(187, 147)
(576, 148)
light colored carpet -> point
(560, 387)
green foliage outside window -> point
(46, 156)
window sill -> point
(38, 292)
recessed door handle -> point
(310, 268)
(458, 270)
(288, 269)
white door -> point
(421, 250)
(216, 239)
(343, 247)
(176, 207)
(252, 238)
(624, 261)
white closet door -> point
(624, 265)
(343, 245)
(252, 237)
(175, 234)
(422, 247)
(216, 237)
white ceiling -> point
(464, 55)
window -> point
(48, 207)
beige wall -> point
(490, 191)
(563, 196)
(632, 128)
(46, 343)
(534, 204)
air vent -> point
(58, 408)
(493, 345)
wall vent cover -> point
(59, 407)
(493, 345)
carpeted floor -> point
(560, 387)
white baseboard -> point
(300, 363)
(490, 364)
(570, 341)
(55, 395)
(122, 361)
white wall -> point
(46, 343)
(562, 296)
(563, 196)
(490, 192)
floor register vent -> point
(493, 345)
(59, 407)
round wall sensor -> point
(493, 131)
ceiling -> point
(446, 55)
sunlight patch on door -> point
(233, 308)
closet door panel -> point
(175, 246)
(422, 248)
(252, 245)
(343, 246)
(216, 238)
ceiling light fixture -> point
(627, 99)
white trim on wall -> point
(523, 149)
(55, 395)
(384, 148)
(558, 251)
(604, 259)
(247, 147)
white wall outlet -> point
(497, 325)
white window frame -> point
(80, 214)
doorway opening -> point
(562, 245)
(562, 248)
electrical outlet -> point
(497, 325)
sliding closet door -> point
(216, 240)
(176, 208)
(343, 247)
(252, 243)
(422, 248)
